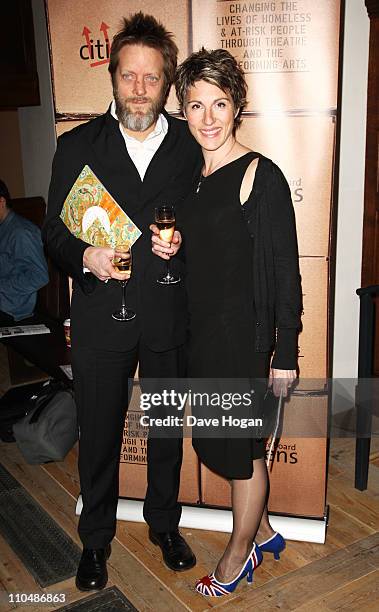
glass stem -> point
(168, 273)
(123, 299)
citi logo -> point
(96, 51)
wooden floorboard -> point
(65, 473)
(342, 574)
(361, 594)
(303, 586)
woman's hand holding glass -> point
(164, 249)
(168, 237)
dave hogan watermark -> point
(179, 400)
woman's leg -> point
(248, 505)
(265, 531)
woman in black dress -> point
(243, 290)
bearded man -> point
(144, 158)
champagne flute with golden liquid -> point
(122, 262)
(165, 221)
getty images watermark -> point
(176, 400)
(312, 408)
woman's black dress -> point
(219, 259)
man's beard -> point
(137, 121)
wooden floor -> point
(343, 574)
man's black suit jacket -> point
(161, 310)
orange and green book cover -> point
(91, 214)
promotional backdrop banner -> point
(80, 38)
(289, 52)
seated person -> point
(23, 268)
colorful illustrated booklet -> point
(91, 214)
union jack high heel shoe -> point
(211, 587)
(276, 544)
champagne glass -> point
(165, 221)
(122, 261)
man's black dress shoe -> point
(92, 571)
(177, 555)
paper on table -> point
(91, 214)
(23, 330)
(67, 370)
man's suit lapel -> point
(117, 171)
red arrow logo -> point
(104, 29)
(86, 32)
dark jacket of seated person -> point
(23, 268)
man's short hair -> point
(217, 67)
(140, 29)
(4, 193)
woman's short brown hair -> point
(217, 67)
(140, 29)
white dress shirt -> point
(141, 153)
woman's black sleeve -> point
(288, 296)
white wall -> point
(37, 130)
(351, 189)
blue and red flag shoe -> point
(211, 587)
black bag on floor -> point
(14, 405)
(50, 428)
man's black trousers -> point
(101, 392)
